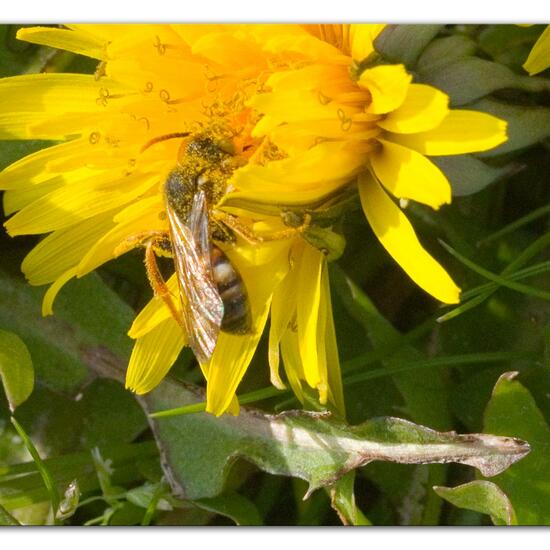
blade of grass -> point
(531, 251)
(157, 495)
(21, 484)
(450, 360)
(531, 271)
(42, 468)
(518, 287)
(511, 227)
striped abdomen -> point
(236, 308)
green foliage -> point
(513, 410)
(481, 496)
(16, 369)
(310, 446)
(85, 451)
(404, 43)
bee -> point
(212, 292)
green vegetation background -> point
(397, 359)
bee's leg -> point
(254, 238)
(154, 242)
(140, 239)
(156, 280)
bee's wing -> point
(202, 307)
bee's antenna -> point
(165, 137)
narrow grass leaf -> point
(530, 291)
(47, 477)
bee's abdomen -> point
(236, 307)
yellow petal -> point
(153, 356)
(16, 199)
(233, 352)
(311, 77)
(108, 31)
(155, 312)
(309, 290)
(397, 235)
(297, 138)
(192, 33)
(294, 105)
(306, 41)
(76, 41)
(320, 170)
(424, 108)
(35, 168)
(71, 203)
(407, 174)
(330, 351)
(388, 86)
(292, 362)
(143, 220)
(38, 97)
(259, 254)
(229, 51)
(322, 386)
(539, 58)
(63, 250)
(51, 293)
(460, 132)
(362, 36)
(283, 309)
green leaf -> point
(16, 369)
(468, 175)
(21, 485)
(89, 319)
(19, 57)
(481, 496)
(425, 403)
(198, 449)
(152, 496)
(512, 410)
(509, 44)
(404, 43)
(111, 414)
(6, 518)
(442, 51)
(471, 78)
(88, 329)
(232, 505)
(527, 125)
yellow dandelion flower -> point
(539, 58)
(342, 116)
(99, 191)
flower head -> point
(100, 191)
(307, 112)
(343, 116)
